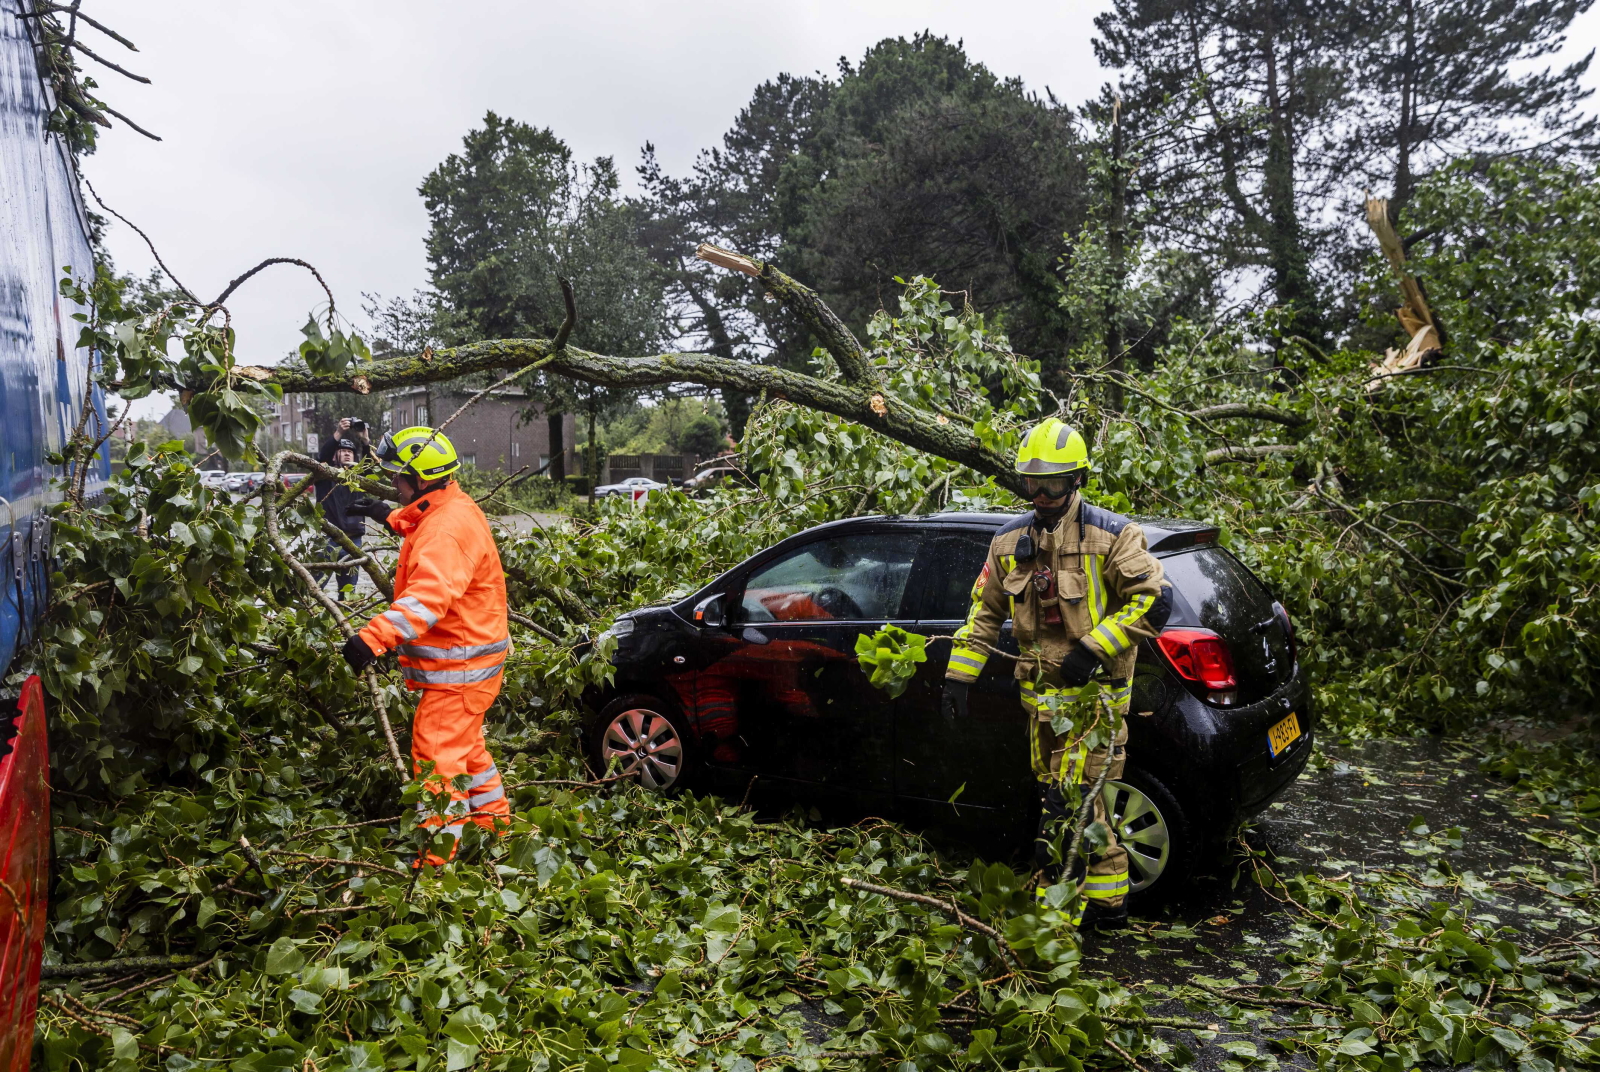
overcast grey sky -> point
(303, 128)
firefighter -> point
(447, 624)
(1082, 590)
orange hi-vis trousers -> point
(449, 734)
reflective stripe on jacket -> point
(1092, 578)
(448, 619)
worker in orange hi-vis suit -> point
(447, 624)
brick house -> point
(490, 435)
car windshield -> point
(859, 577)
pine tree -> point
(1437, 80)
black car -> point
(752, 684)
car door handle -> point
(752, 635)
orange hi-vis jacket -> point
(448, 618)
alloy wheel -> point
(1142, 830)
(643, 742)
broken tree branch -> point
(115, 966)
(857, 402)
(1247, 454)
(804, 303)
(528, 623)
(72, 9)
(112, 111)
(949, 907)
(1252, 411)
(268, 263)
(269, 507)
(74, 43)
(564, 332)
(136, 230)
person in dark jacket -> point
(337, 499)
(352, 431)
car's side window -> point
(941, 583)
(848, 578)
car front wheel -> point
(640, 737)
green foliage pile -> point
(1433, 539)
(223, 801)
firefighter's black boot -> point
(1097, 915)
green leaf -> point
(284, 957)
(305, 1000)
(124, 1044)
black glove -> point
(357, 654)
(955, 698)
(367, 506)
(1079, 666)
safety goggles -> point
(1052, 487)
(388, 452)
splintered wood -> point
(1414, 314)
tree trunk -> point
(558, 447)
(1403, 133)
(594, 459)
(1286, 252)
(1116, 242)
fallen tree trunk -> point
(858, 402)
(855, 396)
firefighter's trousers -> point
(1066, 770)
(449, 734)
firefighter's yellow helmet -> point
(419, 450)
(1052, 448)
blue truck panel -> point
(43, 375)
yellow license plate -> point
(1283, 734)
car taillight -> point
(1201, 656)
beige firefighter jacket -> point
(1091, 578)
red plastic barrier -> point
(24, 876)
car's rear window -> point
(1222, 593)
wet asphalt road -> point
(1353, 811)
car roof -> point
(1161, 533)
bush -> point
(702, 436)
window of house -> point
(422, 413)
(471, 459)
(544, 461)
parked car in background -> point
(245, 483)
(707, 479)
(753, 682)
(629, 486)
(213, 478)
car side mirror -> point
(710, 612)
